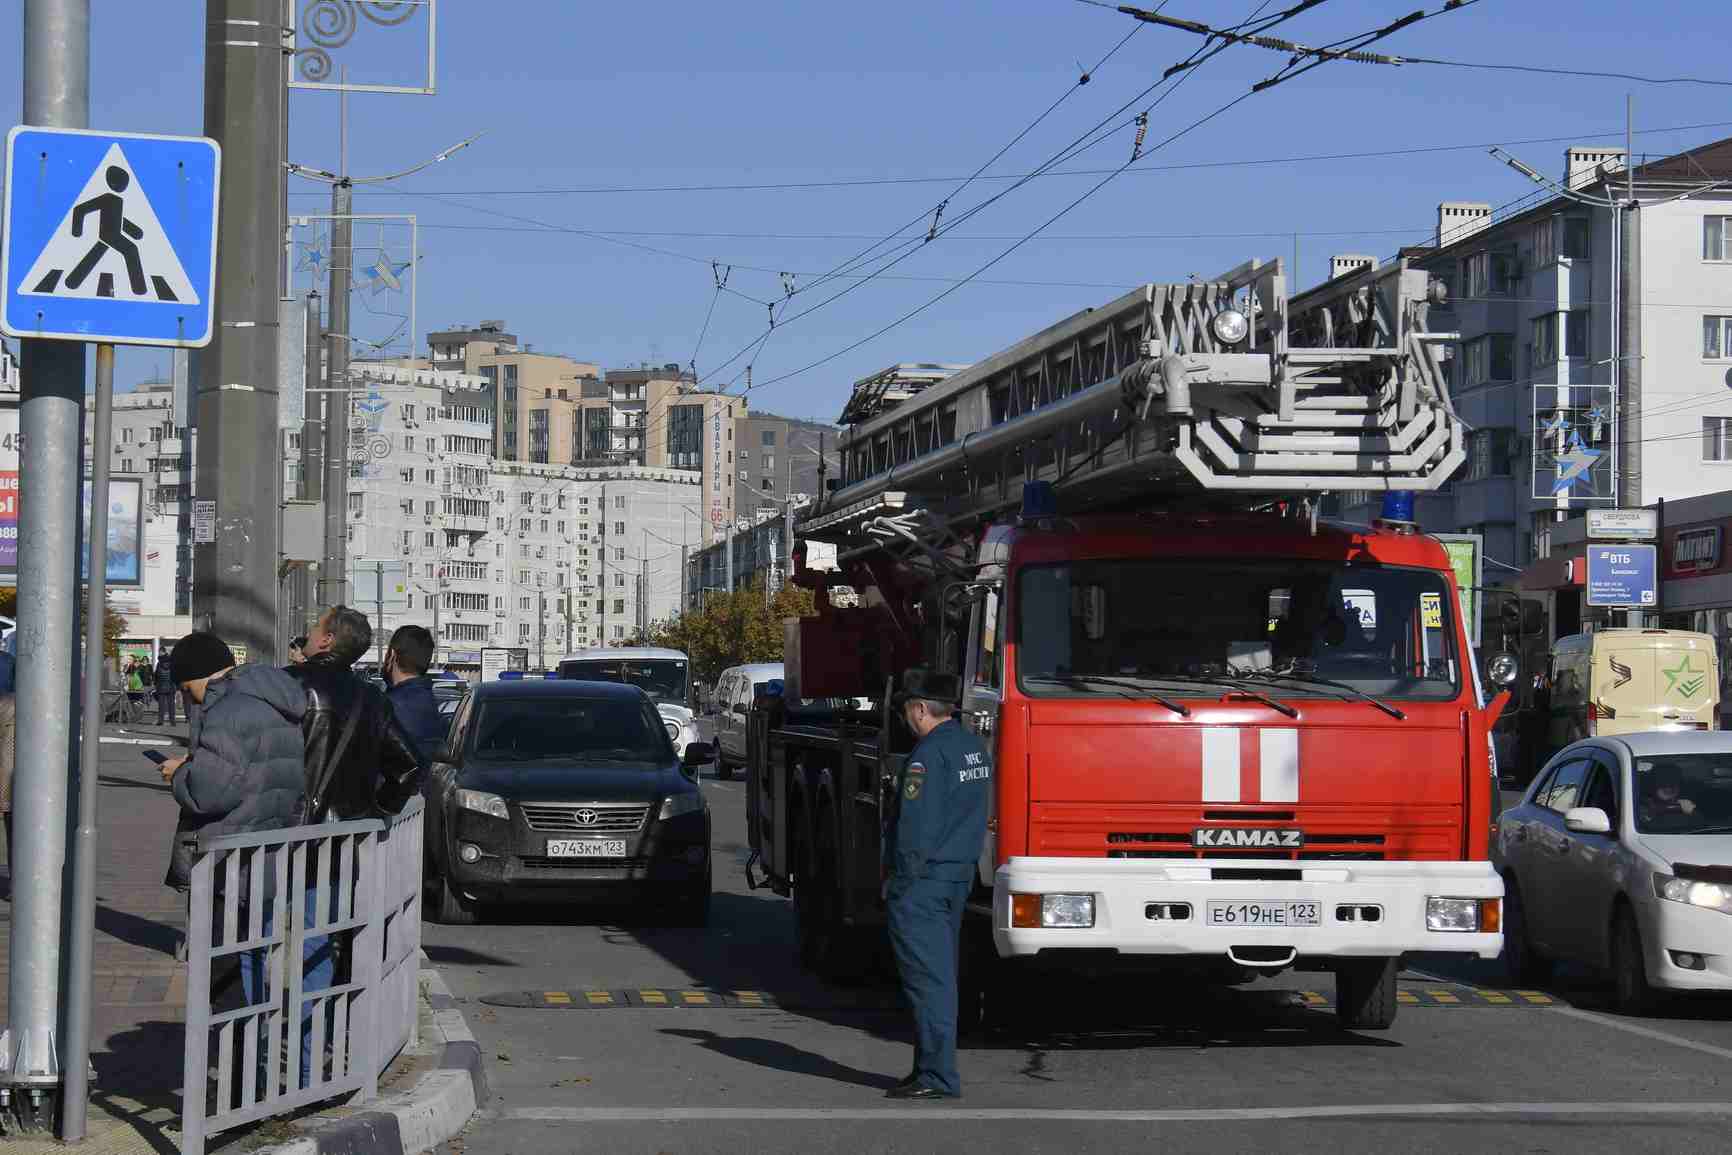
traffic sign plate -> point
(1622, 575)
(109, 236)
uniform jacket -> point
(417, 712)
(943, 800)
(379, 771)
(246, 768)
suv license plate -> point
(1264, 914)
(585, 848)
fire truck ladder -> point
(1223, 388)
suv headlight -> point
(673, 729)
(675, 805)
(482, 802)
(1710, 895)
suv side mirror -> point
(698, 754)
(1587, 820)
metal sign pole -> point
(56, 93)
(81, 916)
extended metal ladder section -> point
(1143, 397)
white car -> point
(1620, 857)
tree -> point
(113, 624)
(730, 629)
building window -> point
(1716, 337)
(1490, 453)
(619, 503)
(1575, 239)
(1717, 439)
(769, 461)
(619, 527)
(619, 605)
(769, 438)
(1717, 238)
(429, 541)
(1544, 348)
(1489, 273)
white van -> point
(733, 704)
(1628, 681)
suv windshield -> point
(1683, 793)
(663, 679)
(576, 729)
(1379, 630)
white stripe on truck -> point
(1278, 757)
(1220, 764)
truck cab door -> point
(982, 699)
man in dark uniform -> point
(940, 827)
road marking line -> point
(1494, 996)
(599, 996)
(694, 996)
(557, 998)
(653, 996)
(1406, 997)
(1537, 997)
(1644, 1032)
(938, 1112)
(1443, 996)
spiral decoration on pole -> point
(330, 24)
(375, 448)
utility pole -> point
(1628, 363)
(643, 615)
(334, 562)
(601, 536)
(541, 627)
(234, 578)
(379, 610)
(56, 56)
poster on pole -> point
(9, 447)
(1467, 558)
(203, 522)
(125, 532)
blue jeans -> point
(925, 929)
(317, 970)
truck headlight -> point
(1709, 895)
(1052, 910)
(482, 802)
(1462, 915)
(675, 805)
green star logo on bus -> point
(1684, 678)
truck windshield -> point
(1379, 630)
(663, 679)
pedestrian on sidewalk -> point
(245, 772)
(360, 761)
(166, 689)
(297, 650)
(939, 832)
(410, 690)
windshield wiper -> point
(1318, 680)
(1084, 681)
(1234, 684)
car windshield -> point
(1294, 625)
(663, 679)
(1683, 793)
(536, 729)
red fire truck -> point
(1226, 731)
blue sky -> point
(579, 96)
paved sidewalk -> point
(140, 1007)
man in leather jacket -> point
(360, 762)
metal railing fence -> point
(323, 924)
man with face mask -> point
(942, 804)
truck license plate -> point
(585, 848)
(1263, 914)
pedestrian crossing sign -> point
(109, 237)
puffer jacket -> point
(378, 771)
(246, 771)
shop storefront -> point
(1696, 590)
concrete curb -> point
(436, 1108)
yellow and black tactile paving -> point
(697, 998)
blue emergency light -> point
(1398, 508)
(1039, 499)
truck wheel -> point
(1525, 965)
(827, 947)
(1365, 994)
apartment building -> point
(537, 395)
(1531, 291)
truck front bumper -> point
(1144, 907)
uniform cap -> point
(929, 685)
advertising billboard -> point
(125, 532)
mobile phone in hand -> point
(156, 756)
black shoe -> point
(917, 1093)
(908, 1080)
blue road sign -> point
(1622, 575)
(109, 237)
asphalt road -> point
(1097, 1067)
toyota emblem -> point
(585, 817)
